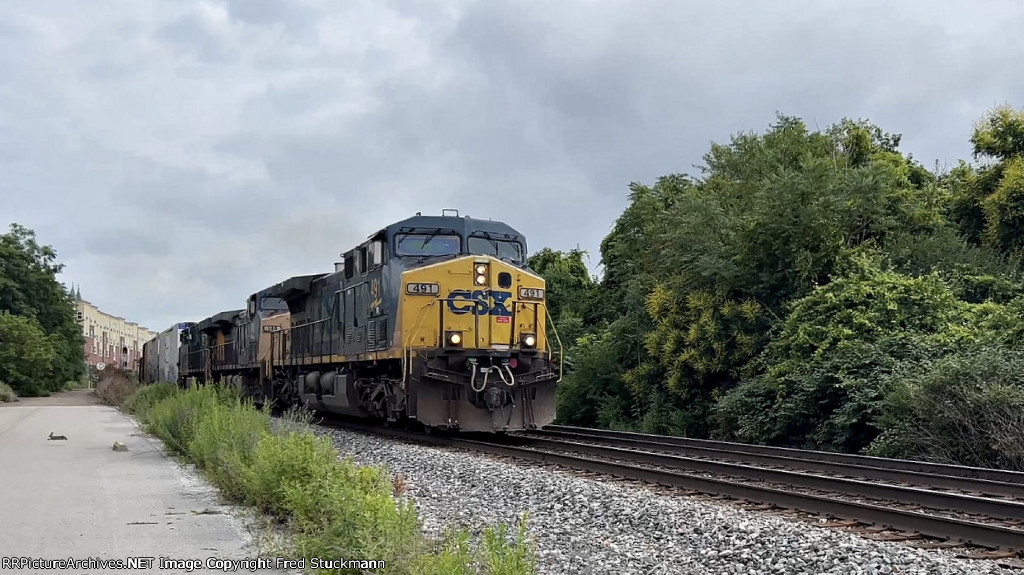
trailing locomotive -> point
(434, 319)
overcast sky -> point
(180, 155)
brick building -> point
(109, 339)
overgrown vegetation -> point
(115, 386)
(334, 507)
(40, 341)
(799, 291)
(7, 394)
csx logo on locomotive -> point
(478, 300)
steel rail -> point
(880, 462)
(999, 508)
(952, 482)
(930, 526)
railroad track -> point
(930, 505)
(811, 460)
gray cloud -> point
(180, 155)
(191, 34)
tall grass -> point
(142, 400)
(333, 507)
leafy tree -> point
(26, 354)
(988, 202)
(592, 394)
(29, 288)
(570, 289)
(719, 258)
(773, 298)
(1000, 134)
(968, 187)
(1004, 208)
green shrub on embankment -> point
(334, 508)
(145, 397)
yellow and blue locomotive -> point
(434, 319)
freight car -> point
(433, 319)
(160, 356)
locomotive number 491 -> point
(422, 289)
(531, 293)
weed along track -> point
(979, 513)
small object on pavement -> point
(118, 446)
(56, 437)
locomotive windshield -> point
(427, 245)
(499, 248)
(273, 304)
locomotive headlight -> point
(529, 340)
(481, 274)
(453, 338)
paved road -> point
(81, 499)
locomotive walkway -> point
(80, 499)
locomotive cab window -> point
(350, 265)
(363, 260)
(427, 245)
(377, 251)
(273, 304)
(494, 247)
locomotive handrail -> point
(310, 341)
(407, 345)
(561, 349)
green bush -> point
(824, 378)
(140, 403)
(283, 461)
(81, 383)
(452, 556)
(967, 408)
(334, 507)
(174, 419)
(26, 356)
(224, 441)
(7, 394)
(588, 395)
(506, 559)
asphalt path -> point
(79, 498)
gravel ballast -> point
(590, 527)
